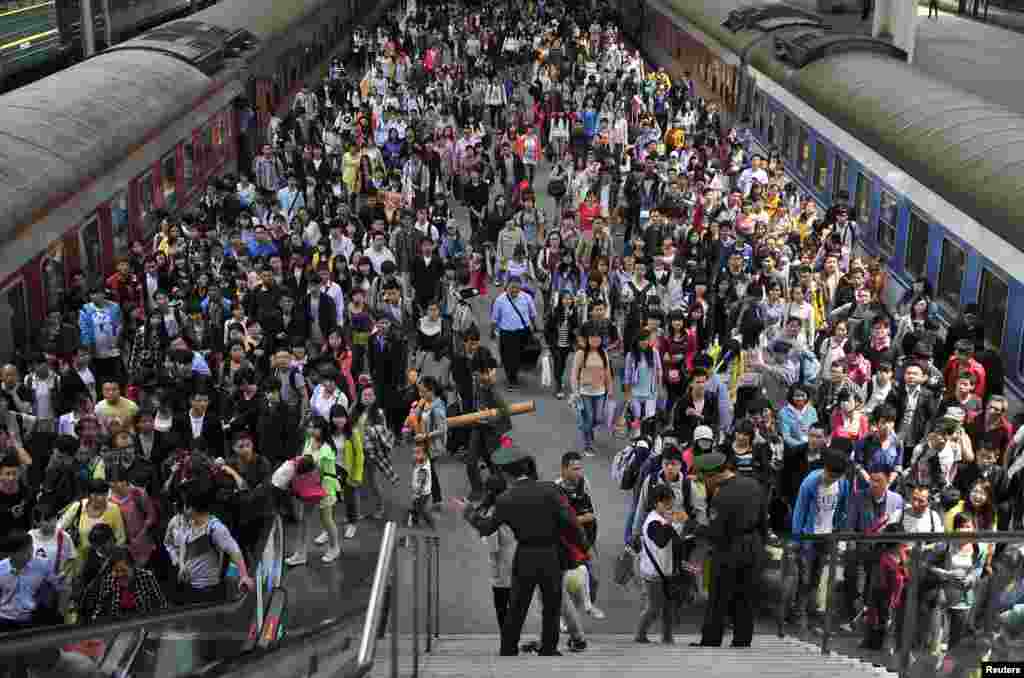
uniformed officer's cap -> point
(672, 453)
(712, 462)
(509, 453)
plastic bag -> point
(546, 370)
(610, 410)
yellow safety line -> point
(30, 38)
(25, 9)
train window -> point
(917, 246)
(119, 231)
(169, 181)
(90, 250)
(52, 270)
(861, 200)
(787, 132)
(992, 299)
(188, 166)
(149, 220)
(804, 151)
(888, 219)
(951, 273)
(14, 315)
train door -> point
(146, 220)
(15, 324)
(264, 105)
(85, 249)
(119, 228)
(167, 196)
(52, 278)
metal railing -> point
(384, 609)
(911, 602)
(32, 640)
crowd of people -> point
(267, 350)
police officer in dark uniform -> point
(737, 531)
(537, 516)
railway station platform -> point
(980, 58)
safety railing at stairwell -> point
(384, 610)
(1005, 569)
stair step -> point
(476, 656)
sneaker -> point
(642, 639)
(560, 395)
(321, 538)
(577, 645)
(589, 452)
(563, 627)
(350, 531)
(295, 560)
(596, 612)
(378, 514)
(331, 555)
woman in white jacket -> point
(657, 538)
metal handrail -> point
(385, 597)
(21, 642)
(375, 608)
(918, 539)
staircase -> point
(476, 656)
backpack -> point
(810, 366)
(622, 461)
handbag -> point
(675, 587)
(556, 188)
(625, 567)
(546, 370)
(308, 488)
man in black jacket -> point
(738, 529)
(536, 514)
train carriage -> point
(93, 154)
(934, 173)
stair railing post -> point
(910, 609)
(430, 595)
(395, 581)
(416, 606)
(437, 586)
(826, 636)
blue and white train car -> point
(935, 174)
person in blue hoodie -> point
(821, 508)
(797, 417)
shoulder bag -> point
(531, 349)
(675, 587)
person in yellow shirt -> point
(113, 406)
(84, 514)
(675, 137)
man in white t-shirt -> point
(820, 509)
(919, 516)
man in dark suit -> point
(536, 514)
(199, 427)
(915, 406)
(737, 531)
(387, 361)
